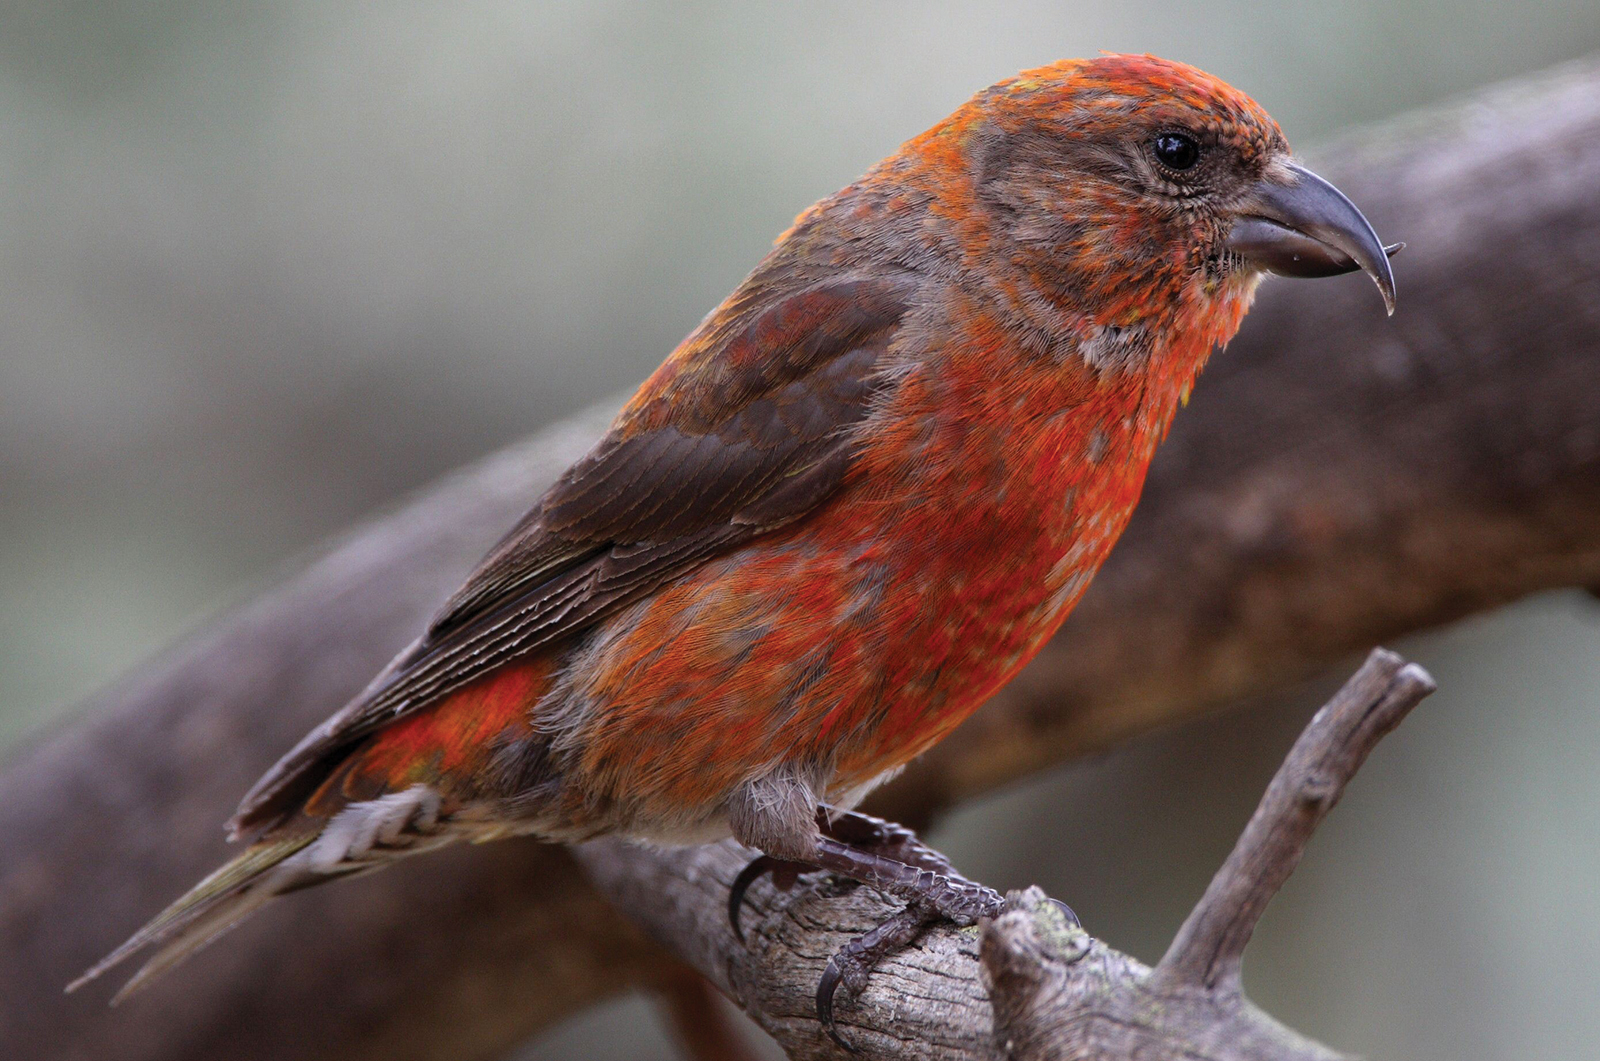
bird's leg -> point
(892, 859)
(945, 894)
(861, 831)
(866, 833)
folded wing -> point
(748, 427)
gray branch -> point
(1058, 995)
(1046, 990)
(1339, 479)
(1210, 946)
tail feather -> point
(220, 901)
(360, 837)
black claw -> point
(751, 873)
(1072, 917)
(831, 978)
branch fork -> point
(1028, 985)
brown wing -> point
(746, 428)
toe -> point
(827, 987)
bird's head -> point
(1120, 177)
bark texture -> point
(1340, 478)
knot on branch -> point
(1024, 961)
(1032, 934)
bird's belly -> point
(835, 650)
(976, 609)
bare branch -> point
(1056, 993)
(1209, 946)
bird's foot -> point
(954, 899)
(890, 858)
(851, 964)
(861, 831)
(933, 893)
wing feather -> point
(746, 428)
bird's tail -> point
(206, 911)
(362, 836)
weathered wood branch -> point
(1209, 948)
(1339, 479)
(1056, 993)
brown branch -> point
(1057, 995)
(1209, 947)
(1339, 479)
(1055, 992)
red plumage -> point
(849, 507)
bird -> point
(845, 510)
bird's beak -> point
(1294, 223)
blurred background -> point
(264, 267)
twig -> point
(1209, 946)
(1056, 996)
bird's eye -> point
(1176, 151)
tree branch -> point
(1055, 992)
(1058, 995)
(1210, 946)
(1339, 479)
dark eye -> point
(1176, 151)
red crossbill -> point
(848, 508)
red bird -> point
(847, 509)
